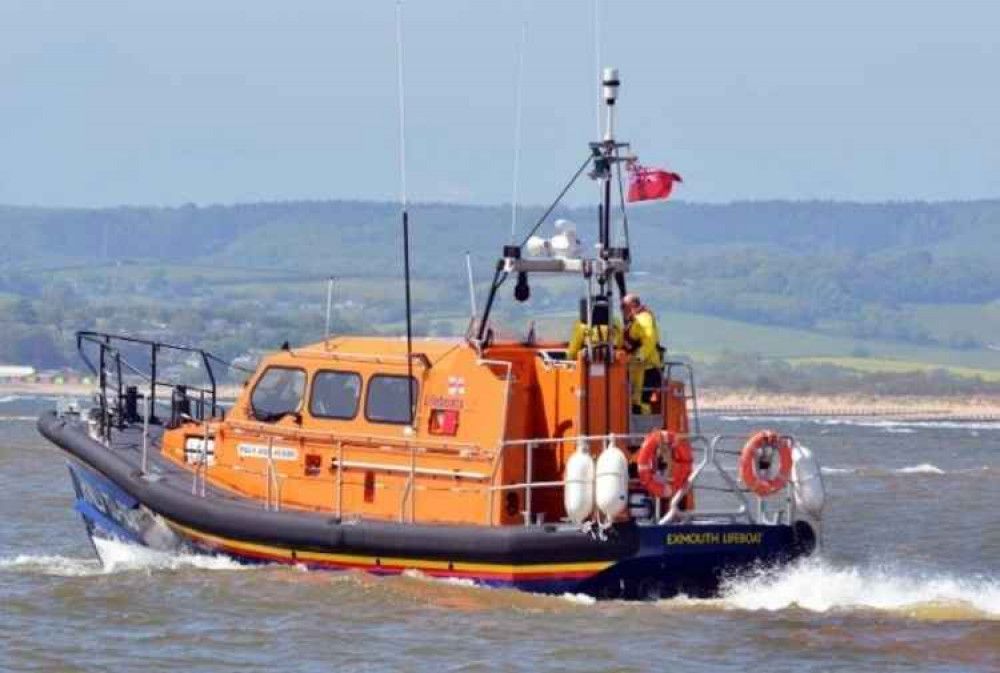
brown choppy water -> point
(909, 579)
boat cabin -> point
(485, 440)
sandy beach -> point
(749, 403)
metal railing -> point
(710, 452)
(114, 371)
(690, 390)
(747, 506)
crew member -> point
(597, 334)
(642, 341)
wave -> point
(17, 419)
(922, 468)
(840, 470)
(890, 426)
(56, 566)
(10, 399)
(115, 557)
(817, 586)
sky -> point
(156, 102)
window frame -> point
(305, 386)
(357, 401)
(413, 409)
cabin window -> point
(388, 400)
(278, 393)
(335, 395)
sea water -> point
(908, 580)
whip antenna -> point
(517, 131)
(402, 198)
(329, 305)
(597, 62)
(472, 285)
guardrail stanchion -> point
(145, 438)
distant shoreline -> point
(887, 407)
(734, 403)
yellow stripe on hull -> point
(376, 563)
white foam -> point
(898, 426)
(579, 599)
(923, 468)
(416, 574)
(838, 470)
(817, 586)
(115, 557)
(123, 557)
(8, 399)
(58, 566)
(876, 471)
(17, 419)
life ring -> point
(761, 446)
(679, 463)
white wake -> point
(818, 586)
(116, 557)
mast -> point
(612, 263)
(603, 163)
(609, 150)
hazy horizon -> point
(110, 103)
(413, 203)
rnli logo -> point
(456, 385)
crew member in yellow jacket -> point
(597, 334)
(642, 341)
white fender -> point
(612, 481)
(807, 482)
(578, 493)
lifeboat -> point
(499, 460)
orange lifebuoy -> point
(766, 441)
(680, 463)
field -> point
(943, 321)
(704, 338)
(442, 308)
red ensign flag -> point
(647, 184)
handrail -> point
(305, 433)
(710, 447)
(375, 358)
(108, 345)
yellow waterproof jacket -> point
(598, 335)
(645, 336)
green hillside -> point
(908, 284)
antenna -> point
(472, 285)
(329, 305)
(517, 131)
(597, 58)
(406, 218)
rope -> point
(555, 203)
